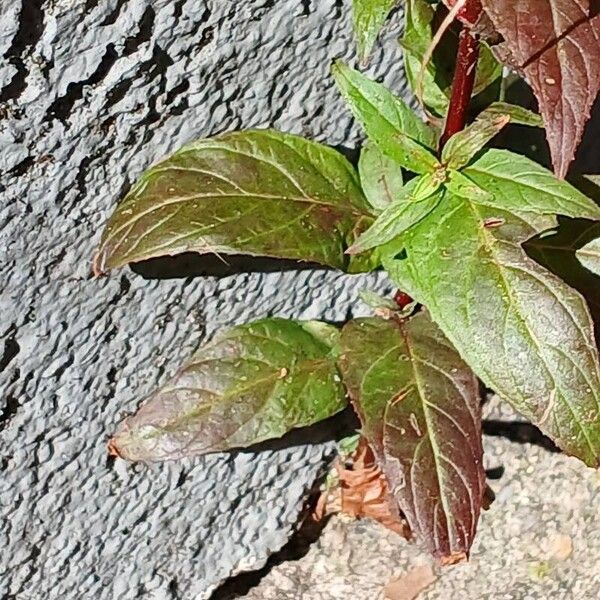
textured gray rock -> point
(91, 93)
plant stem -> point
(462, 90)
(464, 74)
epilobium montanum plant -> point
(445, 214)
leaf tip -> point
(336, 66)
(113, 448)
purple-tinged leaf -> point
(555, 44)
(258, 192)
(252, 383)
(419, 406)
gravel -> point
(540, 539)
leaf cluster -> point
(447, 224)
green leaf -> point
(589, 256)
(518, 184)
(462, 146)
(437, 77)
(388, 121)
(418, 35)
(380, 177)
(368, 18)
(252, 383)
(398, 217)
(257, 192)
(524, 332)
(462, 186)
(426, 185)
(419, 407)
(518, 115)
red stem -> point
(464, 75)
(462, 90)
(471, 12)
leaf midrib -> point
(353, 211)
(430, 436)
(489, 242)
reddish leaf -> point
(419, 407)
(555, 45)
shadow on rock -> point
(296, 548)
(191, 264)
(520, 432)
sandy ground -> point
(540, 539)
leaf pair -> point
(417, 401)
(404, 139)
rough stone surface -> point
(540, 539)
(91, 93)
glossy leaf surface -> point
(380, 177)
(252, 383)
(420, 410)
(399, 216)
(462, 146)
(555, 44)
(258, 192)
(460, 185)
(518, 115)
(524, 332)
(519, 184)
(388, 121)
(465, 144)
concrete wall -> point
(91, 93)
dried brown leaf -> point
(362, 492)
